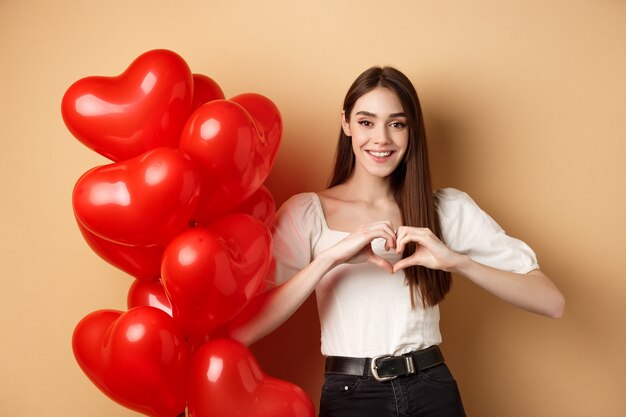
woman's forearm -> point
(533, 291)
(269, 310)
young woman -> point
(378, 246)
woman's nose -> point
(380, 135)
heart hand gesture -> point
(430, 251)
(356, 248)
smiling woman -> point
(377, 135)
(406, 180)
(378, 247)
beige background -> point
(525, 103)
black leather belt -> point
(386, 367)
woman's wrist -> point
(461, 264)
(325, 261)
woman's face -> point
(379, 130)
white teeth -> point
(380, 154)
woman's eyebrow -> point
(366, 113)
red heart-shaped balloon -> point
(211, 273)
(235, 147)
(205, 89)
(148, 293)
(141, 262)
(143, 108)
(259, 205)
(143, 201)
(222, 137)
(225, 380)
(267, 117)
(137, 358)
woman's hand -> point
(429, 252)
(356, 248)
(532, 291)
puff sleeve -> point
(294, 232)
(467, 229)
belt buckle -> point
(374, 369)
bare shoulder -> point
(333, 192)
(340, 213)
(332, 199)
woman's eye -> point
(365, 123)
(398, 125)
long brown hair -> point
(410, 181)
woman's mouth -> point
(379, 156)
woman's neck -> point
(369, 188)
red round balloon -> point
(205, 89)
(143, 108)
(225, 380)
(143, 201)
(141, 262)
(149, 293)
(211, 273)
(138, 358)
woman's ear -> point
(345, 125)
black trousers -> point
(429, 393)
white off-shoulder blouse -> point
(365, 311)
